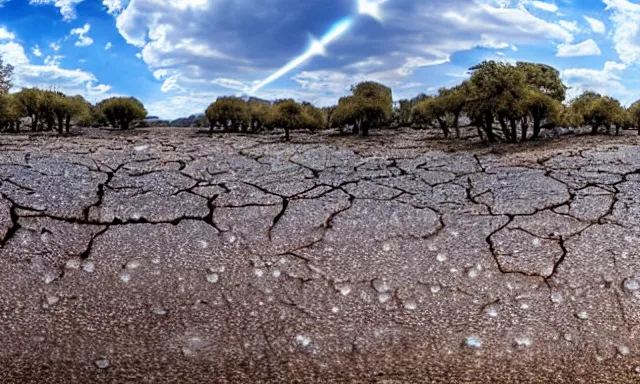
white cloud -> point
(549, 7)
(585, 48)
(108, 46)
(571, 26)
(606, 81)
(36, 50)
(626, 29)
(67, 7)
(113, 6)
(55, 46)
(175, 41)
(83, 40)
(53, 60)
(6, 35)
(596, 25)
(50, 75)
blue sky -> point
(177, 56)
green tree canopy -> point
(598, 111)
(370, 106)
(230, 113)
(122, 111)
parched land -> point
(174, 256)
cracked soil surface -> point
(172, 256)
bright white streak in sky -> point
(371, 8)
(316, 48)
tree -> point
(496, 92)
(454, 101)
(29, 103)
(228, 112)
(289, 115)
(9, 113)
(431, 111)
(328, 115)
(544, 78)
(258, 112)
(634, 112)
(598, 111)
(403, 112)
(61, 108)
(121, 111)
(370, 106)
(6, 71)
(315, 117)
(540, 106)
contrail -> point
(316, 48)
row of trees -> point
(370, 106)
(505, 102)
(515, 102)
(234, 114)
(48, 110)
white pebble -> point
(88, 266)
(102, 363)
(473, 342)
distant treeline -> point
(505, 102)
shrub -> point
(289, 115)
(370, 106)
(230, 113)
(121, 111)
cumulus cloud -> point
(585, 48)
(55, 46)
(571, 26)
(36, 50)
(113, 6)
(67, 7)
(196, 45)
(83, 39)
(108, 46)
(51, 74)
(605, 81)
(6, 35)
(624, 17)
(549, 7)
(596, 25)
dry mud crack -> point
(172, 257)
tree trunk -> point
(503, 126)
(456, 122)
(34, 123)
(287, 137)
(514, 131)
(17, 125)
(364, 130)
(524, 128)
(68, 123)
(60, 124)
(444, 127)
(124, 124)
(536, 126)
(594, 128)
(488, 127)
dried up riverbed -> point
(173, 256)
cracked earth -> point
(172, 256)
